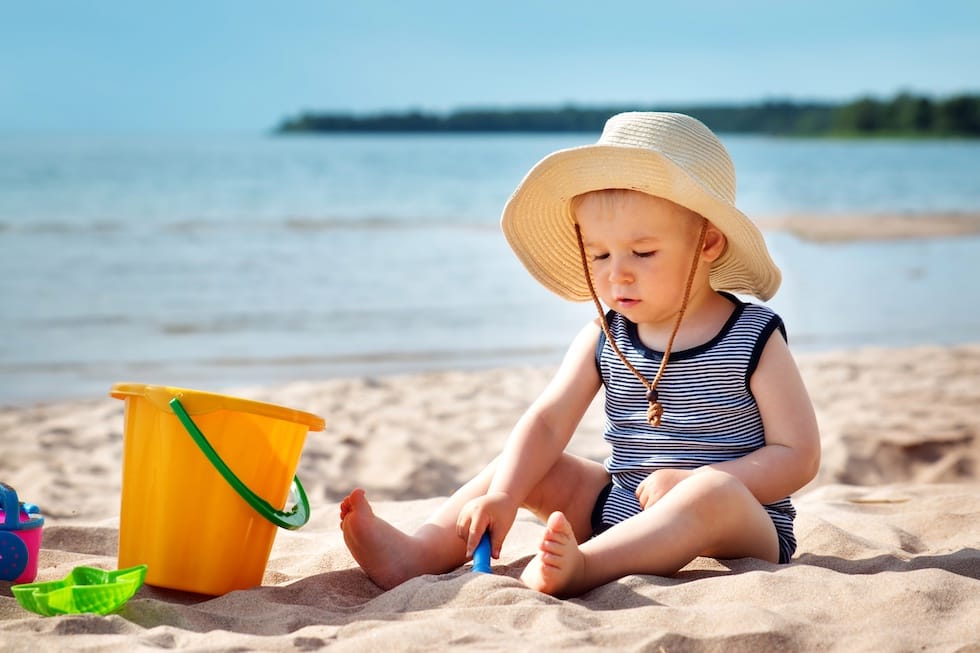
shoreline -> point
(378, 367)
(880, 397)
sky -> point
(244, 65)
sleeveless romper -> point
(710, 415)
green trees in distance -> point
(913, 115)
(905, 115)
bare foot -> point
(382, 551)
(559, 566)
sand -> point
(850, 227)
(889, 555)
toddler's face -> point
(640, 249)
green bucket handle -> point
(289, 519)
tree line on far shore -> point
(905, 115)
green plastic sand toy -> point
(85, 589)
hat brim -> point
(538, 223)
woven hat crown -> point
(682, 139)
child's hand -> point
(659, 483)
(494, 512)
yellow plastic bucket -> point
(202, 477)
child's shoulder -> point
(749, 309)
(759, 320)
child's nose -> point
(620, 272)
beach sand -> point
(849, 227)
(889, 555)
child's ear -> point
(714, 244)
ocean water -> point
(217, 261)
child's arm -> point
(536, 442)
(791, 456)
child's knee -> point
(716, 490)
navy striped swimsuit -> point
(710, 415)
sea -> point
(215, 261)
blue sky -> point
(234, 65)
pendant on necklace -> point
(656, 410)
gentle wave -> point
(81, 320)
(295, 320)
(210, 324)
(288, 224)
(59, 228)
(381, 223)
(840, 226)
(299, 361)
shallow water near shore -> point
(224, 261)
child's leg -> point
(390, 556)
(710, 514)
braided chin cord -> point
(655, 411)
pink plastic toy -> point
(20, 537)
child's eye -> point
(600, 257)
(644, 254)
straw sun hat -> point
(669, 155)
